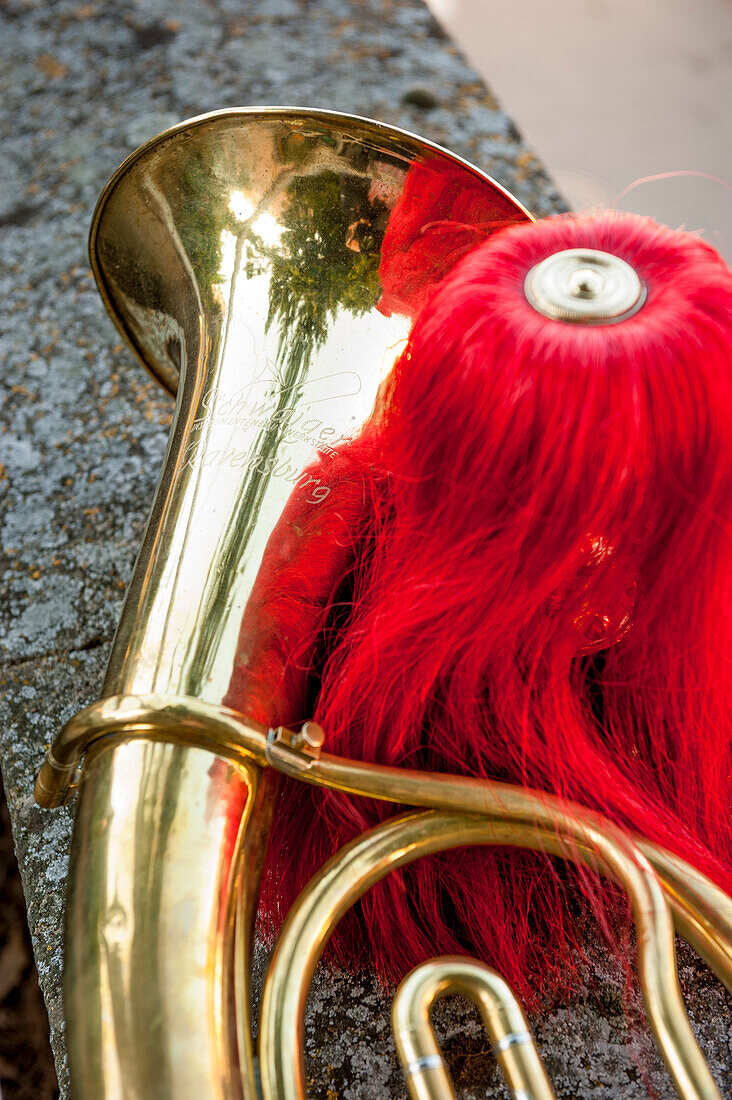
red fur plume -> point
(536, 590)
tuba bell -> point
(242, 256)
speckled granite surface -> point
(83, 429)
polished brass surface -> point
(225, 252)
(365, 861)
(702, 912)
(150, 922)
(516, 816)
(242, 257)
(180, 720)
(425, 1070)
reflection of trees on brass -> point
(203, 213)
(327, 260)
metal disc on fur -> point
(584, 286)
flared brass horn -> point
(242, 256)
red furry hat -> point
(525, 576)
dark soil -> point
(26, 1063)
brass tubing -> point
(702, 912)
(251, 850)
(400, 841)
(148, 974)
(183, 720)
(513, 1045)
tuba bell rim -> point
(401, 140)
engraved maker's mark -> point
(245, 409)
(198, 456)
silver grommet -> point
(585, 286)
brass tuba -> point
(242, 256)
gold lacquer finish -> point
(403, 839)
(658, 883)
(702, 912)
(254, 261)
(424, 1067)
(241, 256)
(150, 922)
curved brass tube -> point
(179, 719)
(514, 1047)
(400, 841)
(702, 912)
